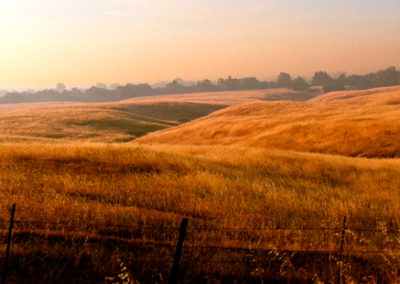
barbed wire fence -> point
(180, 252)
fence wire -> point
(225, 245)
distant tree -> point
(101, 86)
(227, 84)
(99, 94)
(240, 84)
(132, 91)
(361, 81)
(334, 85)
(387, 77)
(321, 78)
(382, 78)
(175, 84)
(174, 87)
(205, 85)
(60, 87)
(75, 94)
(249, 83)
(299, 84)
(114, 86)
(284, 80)
(341, 81)
(180, 81)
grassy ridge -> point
(357, 123)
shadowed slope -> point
(362, 123)
(96, 122)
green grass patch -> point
(127, 126)
(179, 112)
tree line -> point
(101, 93)
(382, 78)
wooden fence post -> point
(173, 276)
(9, 237)
(339, 275)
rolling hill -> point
(82, 207)
(96, 123)
(120, 121)
(352, 123)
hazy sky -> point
(89, 41)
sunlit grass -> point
(91, 187)
(232, 186)
(357, 123)
(81, 192)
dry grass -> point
(230, 186)
(357, 123)
(229, 97)
(93, 186)
(19, 106)
(119, 122)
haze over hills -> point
(352, 123)
(276, 146)
(103, 93)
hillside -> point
(212, 184)
(234, 97)
(83, 207)
(95, 123)
(121, 121)
(352, 123)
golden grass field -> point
(233, 186)
(247, 166)
(93, 186)
(212, 185)
(354, 123)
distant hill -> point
(354, 123)
(234, 97)
(118, 121)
